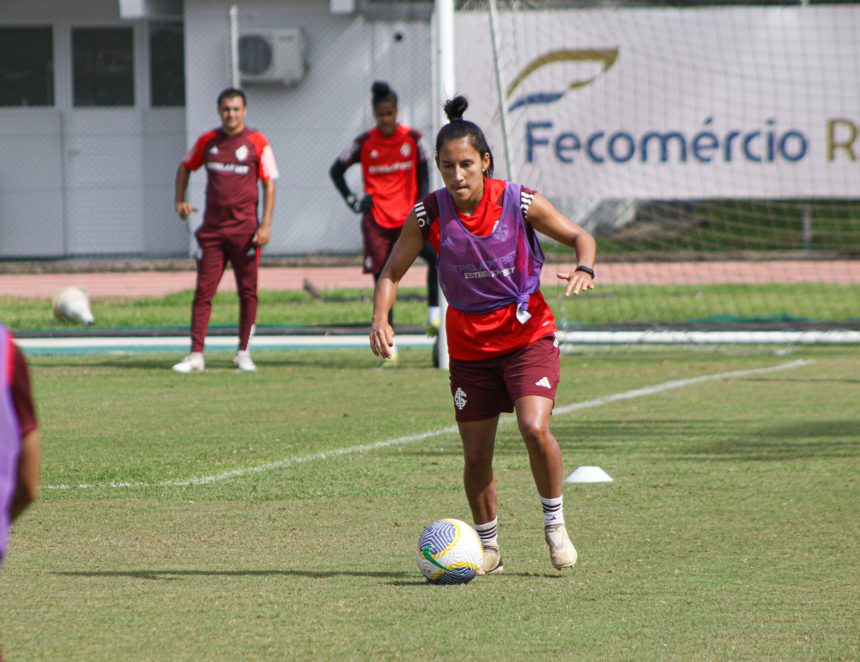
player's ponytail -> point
(381, 93)
(458, 128)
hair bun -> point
(454, 108)
(380, 89)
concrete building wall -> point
(310, 124)
(99, 181)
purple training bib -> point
(10, 440)
(482, 274)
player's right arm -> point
(183, 208)
(192, 161)
(342, 163)
(406, 249)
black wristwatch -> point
(587, 270)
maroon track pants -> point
(215, 250)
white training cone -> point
(589, 475)
(73, 304)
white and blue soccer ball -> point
(449, 552)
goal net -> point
(713, 149)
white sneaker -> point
(492, 561)
(434, 321)
(191, 363)
(561, 551)
(243, 361)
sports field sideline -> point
(327, 280)
(159, 283)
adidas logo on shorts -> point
(543, 381)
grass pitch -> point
(709, 305)
(730, 531)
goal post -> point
(713, 150)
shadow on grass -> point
(496, 578)
(804, 380)
(401, 578)
(709, 440)
(171, 575)
(804, 440)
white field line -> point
(451, 429)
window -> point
(166, 64)
(26, 67)
(103, 66)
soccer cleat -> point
(492, 561)
(243, 361)
(561, 551)
(191, 363)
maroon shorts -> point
(378, 243)
(484, 389)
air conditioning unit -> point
(272, 56)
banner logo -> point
(604, 57)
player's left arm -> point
(264, 229)
(546, 219)
(27, 475)
(27, 483)
(267, 172)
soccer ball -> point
(449, 552)
(72, 304)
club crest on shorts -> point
(460, 398)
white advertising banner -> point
(670, 104)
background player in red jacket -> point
(501, 332)
(236, 157)
(19, 438)
(395, 175)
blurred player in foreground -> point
(236, 157)
(394, 171)
(19, 438)
(504, 354)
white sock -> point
(487, 533)
(553, 510)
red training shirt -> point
(233, 166)
(477, 336)
(390, 170)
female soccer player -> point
(394, 170)
(503, 351)
(19, 439)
